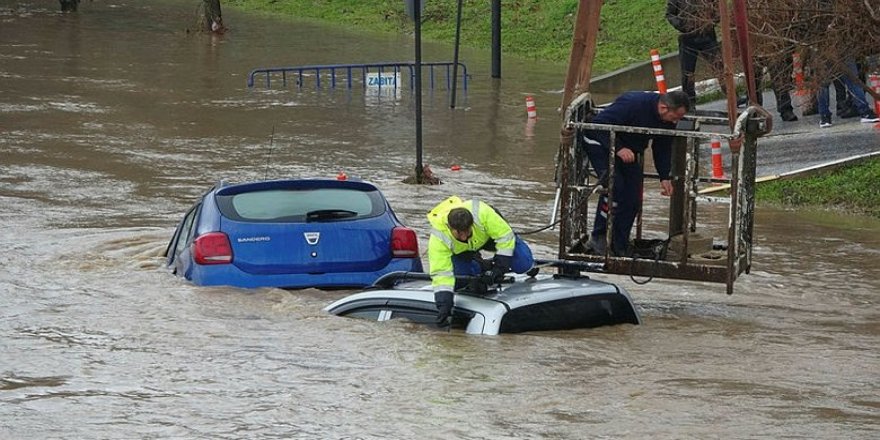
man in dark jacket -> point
(695, 21)
(638, 109)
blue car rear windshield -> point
(301, 206)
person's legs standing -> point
(859, 101)
(712, 54)
(780, 72)
(628, 192)
(845, 108)
(598, 156)
(600, 221)
(687, 56)
(824, 106)
(759, 87)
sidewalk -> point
(801, 144)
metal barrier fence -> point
(350, 74)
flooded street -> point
(114, 120)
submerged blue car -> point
(300, 233)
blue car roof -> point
(357, 185)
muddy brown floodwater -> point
(114, 119)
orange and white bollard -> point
(798, 73)
(531, 109)
(658, 71)
(874, 83)
(530, 128)
(717, 166)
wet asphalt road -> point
(801, 144)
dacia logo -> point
(312, 237)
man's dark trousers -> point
(627, 197)
(690, 48)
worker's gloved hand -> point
(444, 301)
(484, 264)
(492, 276)
(500, 266)
(489, 278)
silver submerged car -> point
(519, 304)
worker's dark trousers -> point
(627, 198)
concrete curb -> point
(799, 172)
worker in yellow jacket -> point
(459, 231)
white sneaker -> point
(869, 118)
(824, 121)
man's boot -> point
(788, 116)
(596, 246)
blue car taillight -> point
(404, 243)
(212, 248)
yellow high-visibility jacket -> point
(442, 245)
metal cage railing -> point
(577, 185)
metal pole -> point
(727, 58)
(583, 48)
(455, 54)
(678, 198)
(496, 38)
(417, 16)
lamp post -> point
(414, 7)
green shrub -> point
(853, 187)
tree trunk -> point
(213, 16)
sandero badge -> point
(295, 233)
